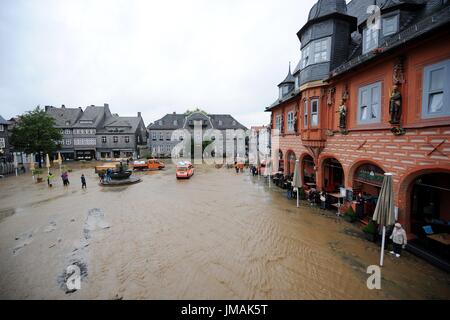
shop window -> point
(435, 101)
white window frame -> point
(127, 139)
(371, 43)
(305, 114)
(161, 136)
(317, 51)
(154, 136)
(290, 121)
(427, 92)
(314, 114)
(2, 128)
(278, 123)
(104, 139)
(387, 19)
(68, 142)
(374, 107)
(2, 143)
(115, 139)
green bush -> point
(37, 172)
(350, 215)
(371, 228)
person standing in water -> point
(50, 179)
(399, 239)
(83, 182)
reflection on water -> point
(218, 235)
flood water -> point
(219, 235)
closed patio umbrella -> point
(47, 162)
(59, 161)
(268, 169)
(297, 180)
(258, 162)
(384, 213)
(15, 163)
(32, 165)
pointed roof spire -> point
(289, 78)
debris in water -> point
(51, 227)
(95, 220)
(24, 240)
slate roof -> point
(3, 121)
(430, 18)
(62, 115)
(422, 18)
(126, 125)
(94, 114)
(289, 78)
(167, 122)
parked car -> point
(151, 164)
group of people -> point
(107, 176)
(316, 197)
(65, 180)
(239, 167)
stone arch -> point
(330, 171)
(405, 188)
(351, 170)
(289, 162)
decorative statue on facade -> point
(342, 115)
(282, 124)
(395, 105)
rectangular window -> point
(115, 139)
(68, 142)
(370, 39)
(314, 112)
(317, 51)
(297, 82)
(278, 122)
(104, 139)
(168, 136)
(161, 136)
(127, 139)
(2, 143)
(436, 92)
(67, 131)
(290, 120)
(369, 103)
(2, 128)
(390, 25)
(154, 136)
(305, 114)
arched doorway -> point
(309, 174)
(429, 204)
(333, 175)
(290, 163)
(367, 181)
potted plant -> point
(350, 215)
(370, 231)
(37, 173)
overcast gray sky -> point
(224, 56)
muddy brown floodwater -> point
(218, 235)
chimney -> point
(47, 108)
(106, 105)
(139, 114)
(63, 106)
(174, 112)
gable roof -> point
(64, 115)
(94, 115)
(3, 121)
(218, 121)
(127, 125)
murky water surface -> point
(216, 236)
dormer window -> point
(390, 25)
(297, 82)
(284, 90)
(370, 39)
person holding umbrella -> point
(399, 239)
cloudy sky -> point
(157, 57)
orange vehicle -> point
(185, 170)
(151, 164)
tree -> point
(35, 132)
